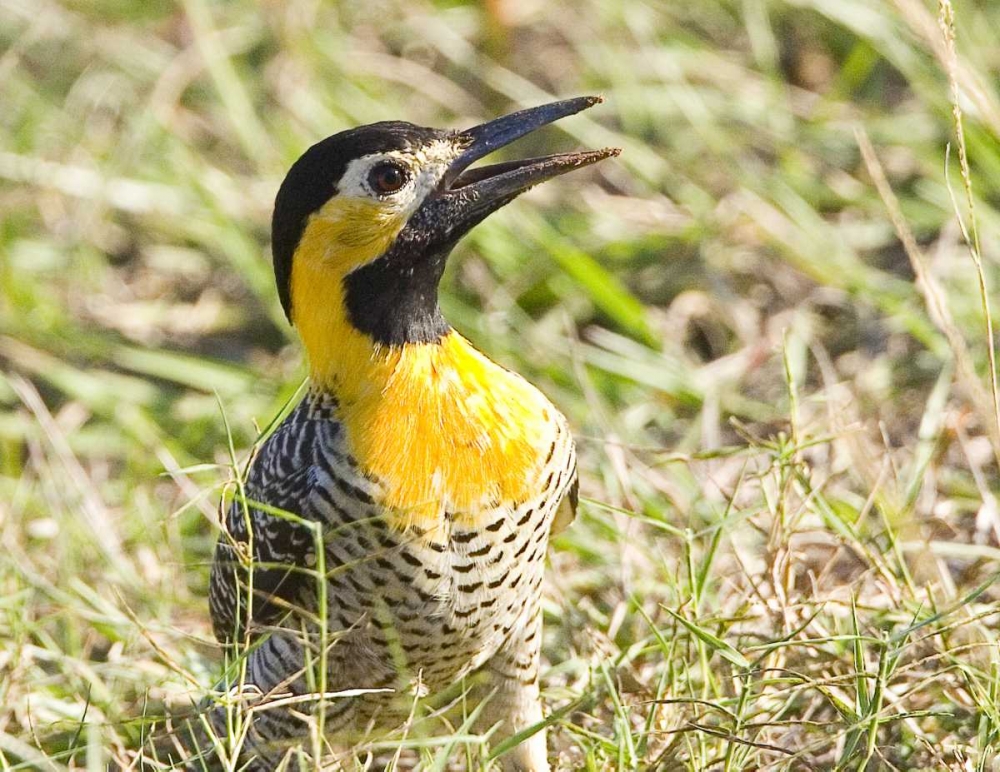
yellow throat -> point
(441, 427)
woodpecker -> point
(390, 536)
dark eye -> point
(387, 178)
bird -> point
(389, 538)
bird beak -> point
(487, 137)
(467, 196)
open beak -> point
(467, 196)
(487, 137)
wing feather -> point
(279, 549)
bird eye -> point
(387, 178)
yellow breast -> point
(444, 429)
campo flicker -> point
(391, 533)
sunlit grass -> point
(768, 322)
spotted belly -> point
(408, 610)
(421, 608)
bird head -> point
(365, 220)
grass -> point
(768, 322)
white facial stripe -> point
(426, 164)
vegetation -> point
(767, 321)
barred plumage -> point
(451, 599)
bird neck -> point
(342, 358)
(351, 270)
(445, 431)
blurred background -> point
(766, 321)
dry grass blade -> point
(935, 298)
